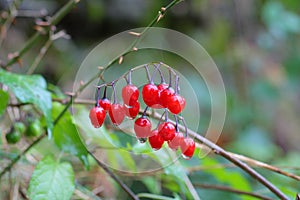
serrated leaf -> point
(4, 101)
(51, 180)
(30, 89)
(66, 136)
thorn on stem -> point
(135, 49)
(121, 59)
(160, 16)
(20, 62)
(135, 33)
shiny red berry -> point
(176, 141)
(105, 104)
(176, 104)
(97, 116)
(167, 131)
(150, 95)
(130, 94)
(164, 97)
(142, 127)
(187, 148)
(161, 87)
(132, 111)
(155, 140)
(116, 113)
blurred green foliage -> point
(255, 45)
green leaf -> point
(51, 180)
(30, 89)
(66, 135)
(55, 91)
(152, 184)
(4, 101)
(231, 177)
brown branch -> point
(232, 190)
(113, 176)
(220, 151)
(253, 162)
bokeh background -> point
(255, 44)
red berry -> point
(187, 148)
(97, 116)
(150, 95)
(130, 94)
(155, 140)
(160, 88)
(165, 95)
(176, 104)
(132, 111)
(142, 127)
(105, 103)
(167, 131)
(116, 113)
(176, 142)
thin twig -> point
(40, 56)
(229, 189)
(58, 16)
(257, 163)
(220, 151)
(140, 37)
(38, 35)
(12, 13)
(113, 176)
(14, 160)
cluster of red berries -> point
(160, 96)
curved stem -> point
(148, 74)
(113, 176)
(104, 93)
(162, 78)
(114, 93)
(129, 77)
(220, 151)
(176, 84)
(97, 97)
(170, 78)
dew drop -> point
(186, 157)
(142, 140)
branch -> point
(10, 18)
(140, 36)
(113, 176)
(54, 20)
(265, 165)
(220, 151)
(13, 161)
(38, 35)
(229, 189)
